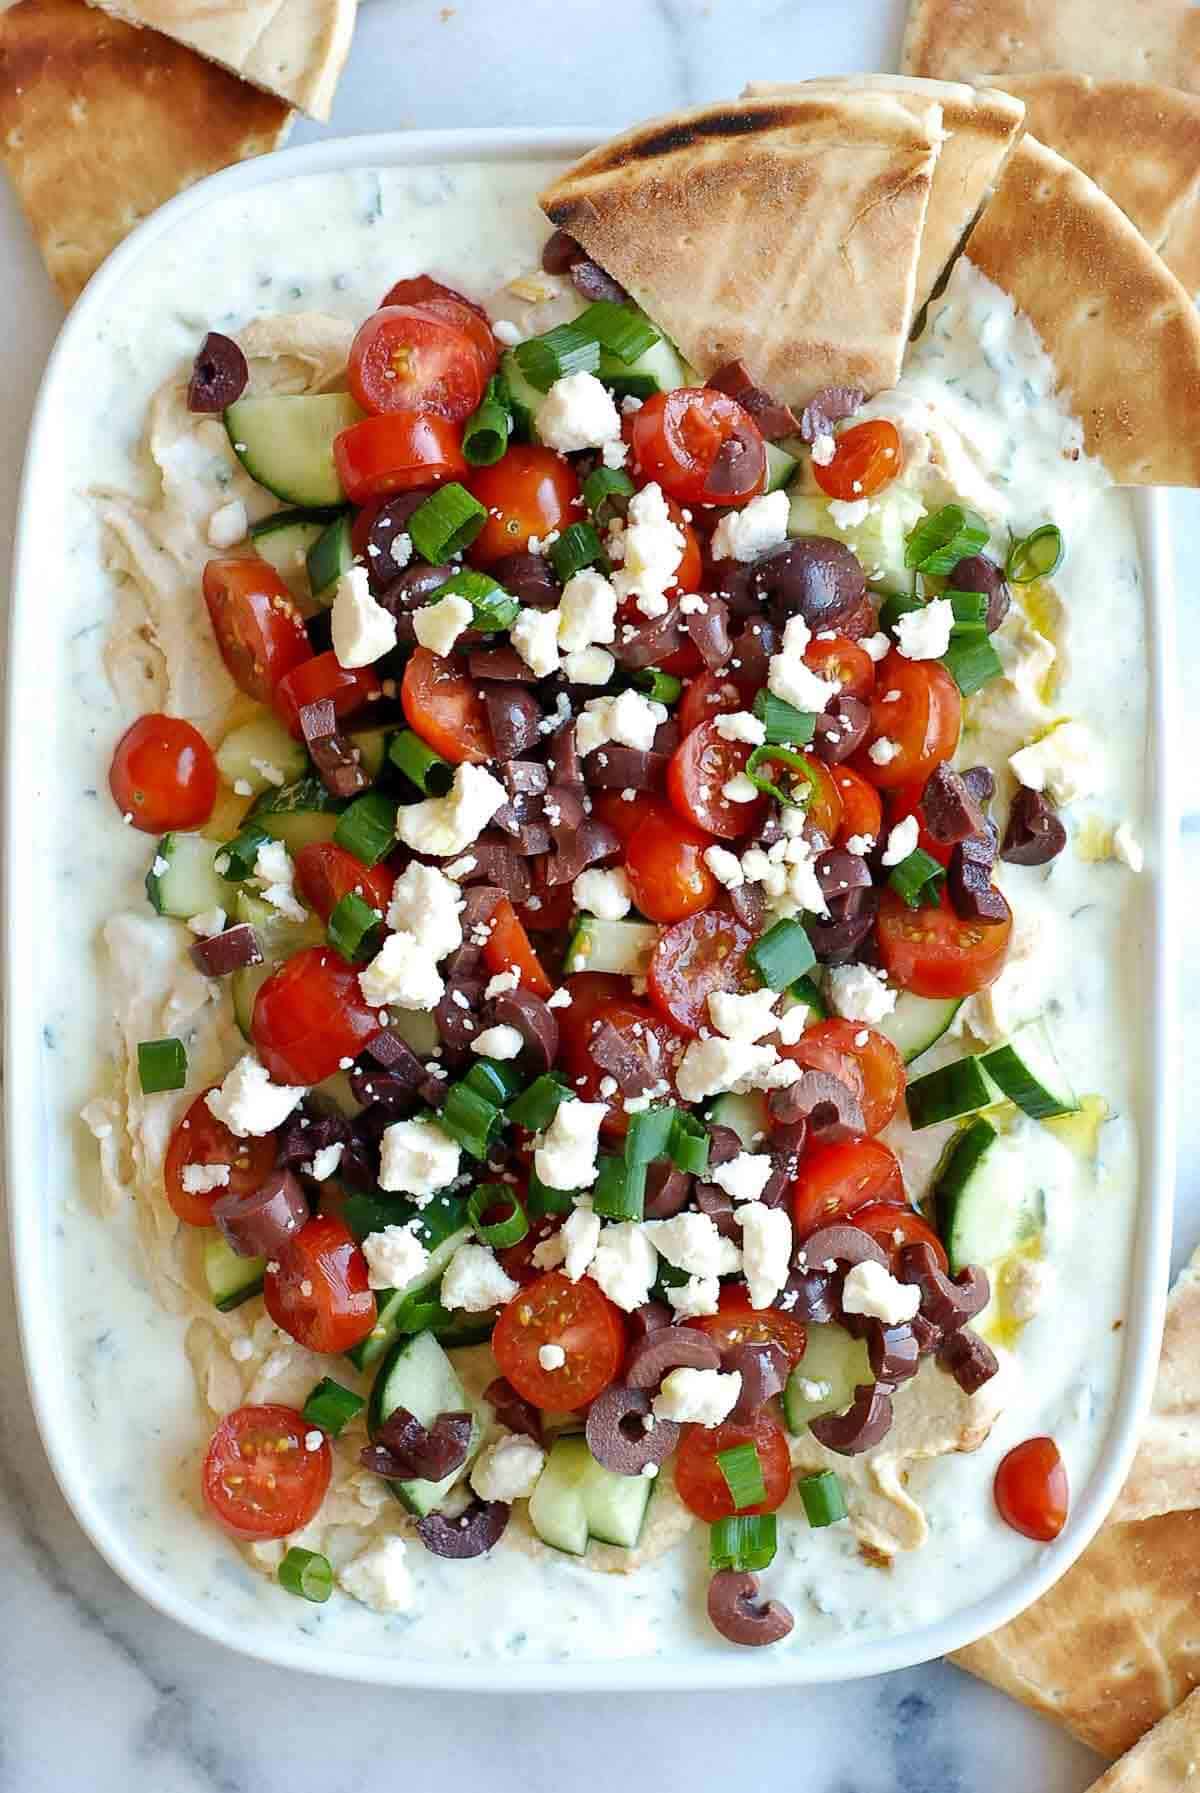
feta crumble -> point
(701, 1397)
(872, 1290)
(443, 826)
(363, 631)
(925, 634)
(860, 993)
(248, 1103)
(437, 626)
(476, 1281)
(416, 1158)
(395, 1257)
(754, 529)
(508, 1470)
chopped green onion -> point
(427, 770)
(824, 1502)
(486, 432)
(494, 607)
(621, 330)
(668, 1277)
(331, 1406)
(805, 991)
(537, 1106)
(918, 879)
(689, 1144)
(577, 547)
(620, 1190)
(641, 386)
(495, 1080)
(418, 1312)
(660, 687)
(448, 521)
(541, 1199)
(972, 663)
(783, 954)
(368, 828)
(237, 858)
(566, 349)
(1035, 556)
(970, 609)
(745, 1541)
(939, 542)
(603, 483)
(351, 924)
(499, 1233)
(783, 722)
(649, 1135)
(162, 1065)
(741, 1467)
(307, 1573)
(896, 605)
(470, 1118)
(764, 756)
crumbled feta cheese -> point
(324, 1163)
(630, 719)
(625, 1263)
(437, 626)
(710, 1067)
(587, 611)
(400, 551)
(395, 1257)
(1063, 763)
(859, 993)
(861, 844)
(248, 1103)
(741, 725)
(739, 789)
(872, 1290)
(901, 841)
(442, 826)
(760, 525)
(703, 1397)
(606, 894)
(697, 1296)
(882, 752)
(202, 1179)
(614, 454)
(692, 1243)
(535, 637)
(766, 1250)
(792, 1023)
(502, 1042)
(207, 923)
(551, 1357)
(506, 333)
(576, 413)
(652, 547)
(725, 867)
(379, 1576)
(1126, 847)
(744, 1177)
(273, 872)
(363, 631)
(561, 999)
(824, 448)
(925, 634)
(501, 984)
(403, 973)
(426, 904)
(791, 679)
(743, 1017)
(565, 1158)
(848, 513)
(575, 1242)
(589, 666)
(508, 1470)
(228, 525)
(417, 1159)
(877, 646)
(476, 1281)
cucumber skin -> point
(312, 487)
(571, 1476)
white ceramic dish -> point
(51, 918)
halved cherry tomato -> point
(664, 861)
(406, 358)
(894, 1227)
(325, 873)
(309, 1015)
(700, 445)
(701, 766)
(867, 458)
(555, 903)
(864, 1060)
(862, 810)
(517, 1260)
(906, 801)
(834, 1181)
(923, 722)
(200, 1138)
(395, 452)
(708, 696)
(431, 296)
(843, 660)
(163, 775)
(932, 952)
(445, 708)
(1031, 1490)
(257, 622)
(590, 991)
(706, 952)
(532, 491)
(317, 1288)
(323, 676)
(698, 1479)
(260, 1480)
(624, 818)
(508, 949)
(579, 1319)
(824, 807)
(418, 289)
(737, 1323)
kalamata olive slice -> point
(591, 282)
(413, 589)
(763, 1366)
(475, 1531)
(513, 715)
(457, 1015)
(969, 1359)
(258, 1225)
(670, 1348)
(391, 520)
(827, 407)
(841, 730)
(709, 630)
(810, 1295)
(736, 1612)
(231, 950)
(405, 1450)
(219, 374)
(533, 1021)
(861, 1426)
(560, 252)
(717, 1203)
(668, 1190)
(840, 1244)
(978, 572)
(646, 644)
(530, 578)
(928, 1336)
(618, 1435)
(1034, 835)
(947, 1304)
(836, 938)
(894, 1352)
(724, 1144)
(512, 1410)
(951, 813)
(829, 1107)
(813, 577)
(839, 871)
(981, 783)
(652, 1316)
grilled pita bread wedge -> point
(100, 124)
(783, 232)
(1138, 140)
(292, 48)
(1120, 329)
(1166, 1760)
(981, 126)
(1142, 40)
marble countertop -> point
(93, 1676)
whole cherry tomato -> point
(1031, 1490)
(867, 458)
(163, 775)
(917, 711)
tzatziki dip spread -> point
(619, 1062)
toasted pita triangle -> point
(981, 127)
(100, 124)
(1136, 139)
(784, 232)
(1165, 1761)
(292, 48)
(1146, 40)
(1120, 329)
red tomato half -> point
(317, 1290)
(895, 1227)
(309, 1015)
(843, 660)
(863, 1059)
(325, 873)
(708, 696)
(431, 296)
(933, 953)
(922, 722)
(706, 952)
(531, 492)
(405, 358)
(867, 458)
(664, 860)
(698, 1479)
(625, 819)
(257, 623)
(200, 1138)
(738, 1323)
(701, 766)
(163, 775)
(701, 446)
(321, 677)
(904, 801)
(508, 949)
(418, 289)
(824, 807)
(517, 1260)
(260, 1480)
(834, 1181)
(580, 1320)
(551, 905)
(646, 1039)
(395, 452)
(862, 811)
(1031, 1490)
(444, 707)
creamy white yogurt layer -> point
(977, 389)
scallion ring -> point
(497, 1233)
(1035, 556)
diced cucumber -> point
(284, 540)
(780, 467)
(620, 947)
(463, 1329)
(230, 1279)
(1028, 1072)
(418, 1375)
(181, 880)
(524, 397)
(959, 1088)
(986, 1206)
(576, 1498)
(333, 1095)
(747, 1115)
(371, 745)
(441, 1231)
(878, 542)
(417, 1029)
(917, 1022)
(286, 443)
(264, 742)
(331, 555)
(660, 369)
(824, 1380)
(278, 938)
(299, 814)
